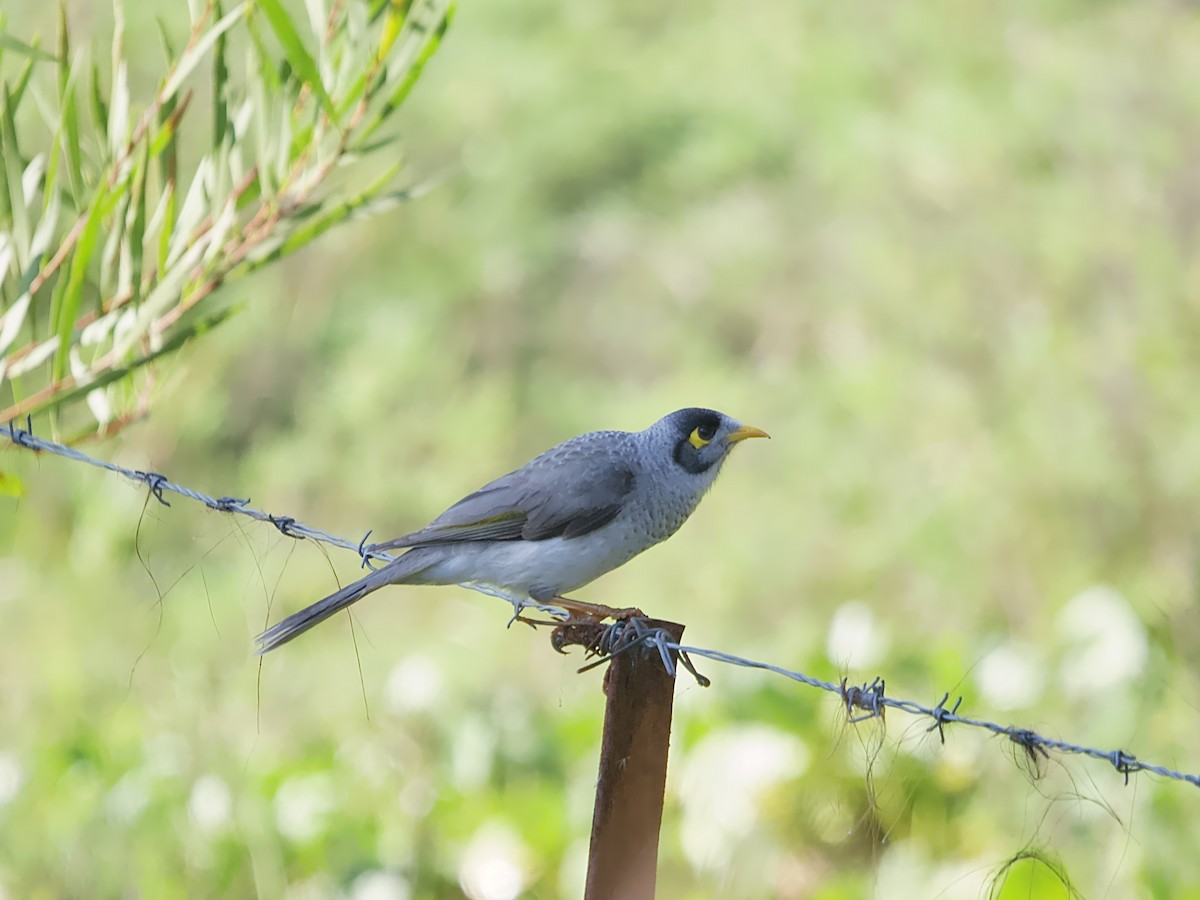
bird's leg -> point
(595, 610)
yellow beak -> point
(746, 431)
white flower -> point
(493, 865)
(414, 685)
(301, 806)
(854, 637)
(380, 884)
(1011, 676)
(11, 777)
(1107, 641)
(723, 780)
(210, 803)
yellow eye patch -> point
(701, 436)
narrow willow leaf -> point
(33, 358)
(264, 135)
(47, 226)
(165, 37)
(70, 128)
(155, 224)
(241, 121)
(283, 149)
(98, 330)
(192, 56)
(163, 144)
(31, 180)
(12, 320)
(110, 256)
(6, 258)
(220, 83)
(14, 195)
(99, 108)
(263, 65)
(118, 117)
(66, 311)
(237, 164)
(31, 51)
(96, 397)
(66, 104)
(355, 93)
(345, 54)
(64, 43)
(409, 73)
(225, 221)
(137, 228)
(317, 19)
(165, 293)
(170, 198)
(18, 89)
(220, 184)
(294, 50)
(397, 16)
(191, 212)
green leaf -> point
(8, 42)
(65, 312)
(297, 54)
(118, 111)
(99, 107)
(18, 90)
(14, 318)
(10, 485)
(70, 120)
(168, 203)
(220, 82)
(137, 229)
(165, 37)
(14, 196)
(194, 53)
(397, 16)
(163, 145)
(411, 72)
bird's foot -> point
(533, 623)
(595, 611)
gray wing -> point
(566, 492)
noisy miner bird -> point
(557, 523)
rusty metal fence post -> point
(623, 857)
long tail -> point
(298, 623)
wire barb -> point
(604, 641)
(1125, 763)
(155, 482)
(941, 716)
(286, 526)
(366, 553)
(228, 504)
(869, 697)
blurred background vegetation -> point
(945, 253)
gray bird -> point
(562, 520)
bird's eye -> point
(702, 435)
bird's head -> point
(700, 439)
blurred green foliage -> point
(944, 252)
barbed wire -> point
(286, 525)
(637, 633)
